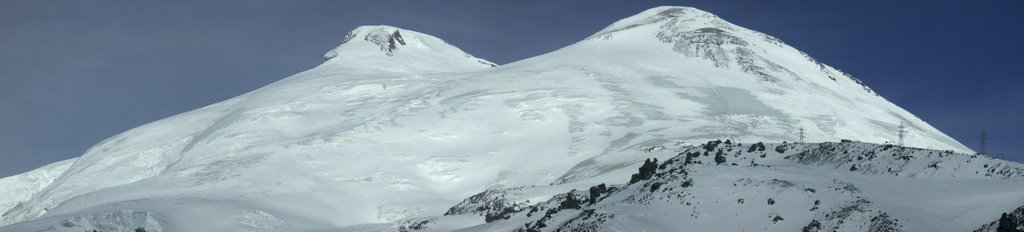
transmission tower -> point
(901, 132)
(984, 141)
(801, 134)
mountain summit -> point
(399, 130)
(396, 49)
(668, 17)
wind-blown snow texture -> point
(397, 126)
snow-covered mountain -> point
(396, 128)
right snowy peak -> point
(749, 85)
(693, 17)
(699, 34)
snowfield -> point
(399, 130)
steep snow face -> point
(396, 124)
(391, 48)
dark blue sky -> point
(73, 73)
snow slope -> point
(397, 125)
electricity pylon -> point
(984, 141)
(801, 134)
(901, 132)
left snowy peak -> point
(231, 157)
(399, 49)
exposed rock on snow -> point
(1008, 222)
(391, 48)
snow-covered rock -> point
(1009, 221)
(724, 186)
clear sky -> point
(73, 73)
